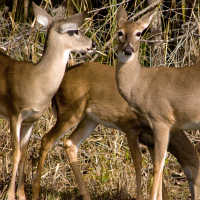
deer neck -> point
(127, 74)
(52, 66)
(54, 53)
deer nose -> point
(128, 50)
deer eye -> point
(120, 33)
(76, 32)
(72, 32)
(138, 34)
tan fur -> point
(164, 99)
(26, 89)
(88, 96)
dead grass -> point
(105, 162)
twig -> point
(147, 8)
(170, 40)
(19, 36)
(108, 7)
(40, 138)
(105, 46)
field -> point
(104, 158)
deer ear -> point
(145, 20)
(78, 19)
(121, 16)
(73, 22)
(42, 17)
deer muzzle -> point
(128, 50)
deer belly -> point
(98, 120)
(31, 115)
(194, 125)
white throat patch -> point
(125, 59)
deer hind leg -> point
(15, 124)
(133, 141)
(48, 140)
(83, 130)
(161, 138)
(25, 134)
(187, 155)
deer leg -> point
(187, 155)
(83, 131)
(164, 190)
(25, 134)
(15, 123)
(48, 140)
(161, 138)
(133, 141)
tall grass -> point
(104, 158)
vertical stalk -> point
(25, 10)
(157, 58)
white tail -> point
(79, 103)
(26, 89)
(164, 99)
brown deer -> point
(88, 96)
(165, 99)
(26, 89)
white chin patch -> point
(66, 56)
(125, 58)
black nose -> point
(128, 50)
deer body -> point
(148, 93)
(164, 99)
(26, 89)
(88, 96)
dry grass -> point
(104, 158)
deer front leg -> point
(164, 190)
(83, 130)
(133, 141)
(161, 138)
(15, 124)
(25, 134)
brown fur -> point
(164, 99)
(26, 89)
(91, 88)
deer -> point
(88, 96)
(26, 89)
(165, 99)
